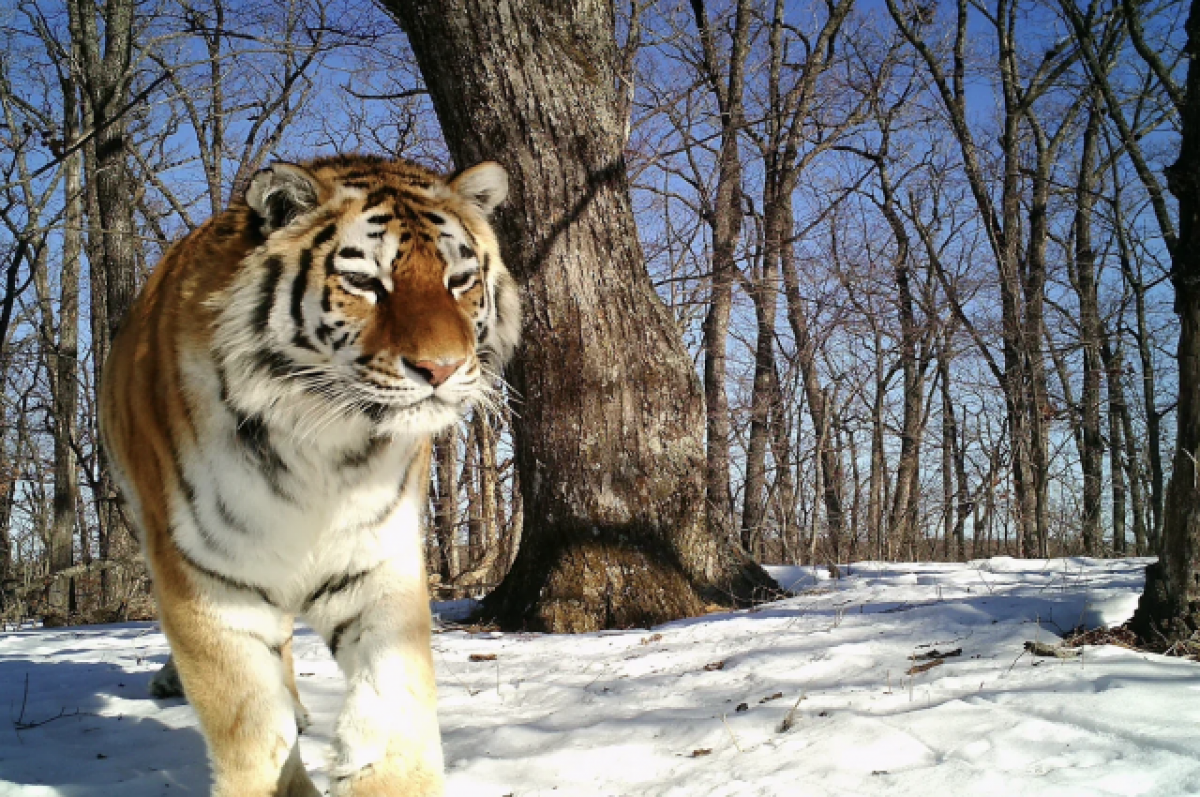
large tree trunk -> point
(65, 363)
(105, 70)
(1169, 609)
(609, 439)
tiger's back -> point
(268, 407)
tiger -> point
(267, 410)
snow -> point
(656, 712)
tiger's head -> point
(378, 296)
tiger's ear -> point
(485, 186)
(280, 193)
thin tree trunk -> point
(1145, 349)
(831, 489)
(1125, 454)
(876, 531)
(963, 506)
(725, 219)
(610, 438)
(1091, 452)
(902, 522)
(445, 453)
(777, 228)
(469, 479)
(785, 479)
(485, 440)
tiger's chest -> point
(282, 513)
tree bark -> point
(1091, 452)
(1169, 609)
(445, 454)
(105, 73)
(609, 440)
(725, 219)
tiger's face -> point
(378, 298)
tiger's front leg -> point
(377, 625)
(235, 679)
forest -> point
(896, 283)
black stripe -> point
(379, 195)
(189, 496)
(335, 638)
(335, 584)
(375, 411)
(299, 288)
(223, 389)
(275, 363)
(299, 285)
(230, 520)
(471, 239)
(262, 313)
(252, 432)
(352, 253)
(380, 218)
(228, 581)
(356, 459)
(434, 217)
(324, 236)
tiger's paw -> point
(388, 779)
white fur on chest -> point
(303, 511)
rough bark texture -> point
(105, 71)
(1169, 609)
(609, 438)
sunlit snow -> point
(697, 707)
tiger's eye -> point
(364, 282)
(460, 281)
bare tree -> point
(725, 219)
(609, 440)
(1169, 609)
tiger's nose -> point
(434, 372)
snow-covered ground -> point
(698, 707)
